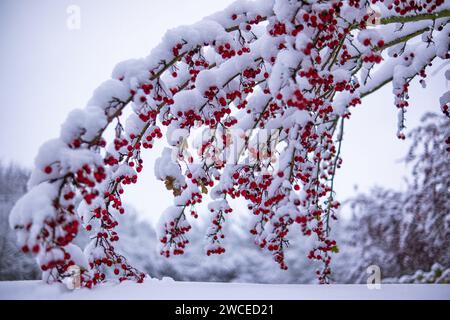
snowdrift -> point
(172, 290)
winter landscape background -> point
(395, 193)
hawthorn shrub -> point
(285, 74)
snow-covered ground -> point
(171, 290)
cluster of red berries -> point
(218, 250)
(372, 58)
(174, 241)
(278, 29)
(226, 51)
(403, 7)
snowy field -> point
(171, 290)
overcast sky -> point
(48, 69)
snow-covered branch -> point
(263, 84)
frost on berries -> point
(267, 85)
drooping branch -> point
(293, 73)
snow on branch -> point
(250, 100)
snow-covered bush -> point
(14, 265)
(437, 274)
(284, 74)
(404, 231)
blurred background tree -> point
(14, 265)
(404, 231)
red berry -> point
(35, 248)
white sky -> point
(46, 70)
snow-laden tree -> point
(406, 231)
(266, 85)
